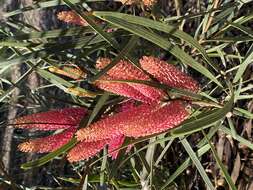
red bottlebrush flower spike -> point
(51, 120)
(124, 70)
(85, 150)
(121, 89)
(72, 18)
(161, 119)
(111, 127)
(47, 144)
(168, 74)
(139, 121)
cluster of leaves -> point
(218, 51)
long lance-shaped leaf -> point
(73, 31)
(92, 24)
(203, 148)
(240, 139)
(204, 120)
(63, 84)
(244, 64)
(242, 28)
(101, 102)
(197, 163)
(200, 152)
(41, 5)
(95, 179)
(221, 166)
(51, 50)
(163, 43)
(158, 26)
(101, 33)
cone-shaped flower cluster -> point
(51, 120)
(162, 71)
(127, 71)
(72, 18)
(48, 144)
(150, 117)
(85, 150)
(168, 74)
(66, 119)
(140, 121)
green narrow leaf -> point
(103, 168)
(237, 137)
(98, 107)
(43, 4)
(63, 84)
(197, 163)
(242, 28)
(92, 24)
(243, 113)
(73, 31)
(203, 120)
(165, 149)
(241, 20)
(204, 149)
(163, 43)
(50, 49)
(10, 43)
(221, 166)
(244, 64)
(157, 26)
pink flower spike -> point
(121, 89)
(168, 74)
(47, 144)
(51, 120)
(161, 119)
(112, 126)
(124, 70)
(85, 150)
(72, 18)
